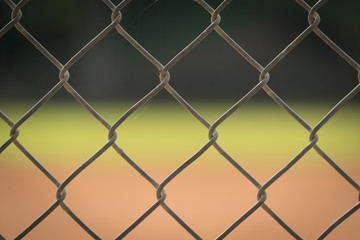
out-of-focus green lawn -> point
(162, 131)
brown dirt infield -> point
(209, 200)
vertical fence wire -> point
(164, 85)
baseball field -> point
(209, 195)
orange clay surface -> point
(109, 199)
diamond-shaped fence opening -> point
(122, 188)
(154, 226)
(53, 130)
(163, 27)
(208, 197)
(203, 65)
(36, 71)
(322, 64)
(294, 199)
(58, 225)
(263, 31)
(162, 200)
(249, 228)
(64, 24)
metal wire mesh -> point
(164, 85)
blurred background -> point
(210, 194)
(213, 70)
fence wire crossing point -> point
(164, 85)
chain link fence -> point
(164, 85)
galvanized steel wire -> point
(164, 85)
